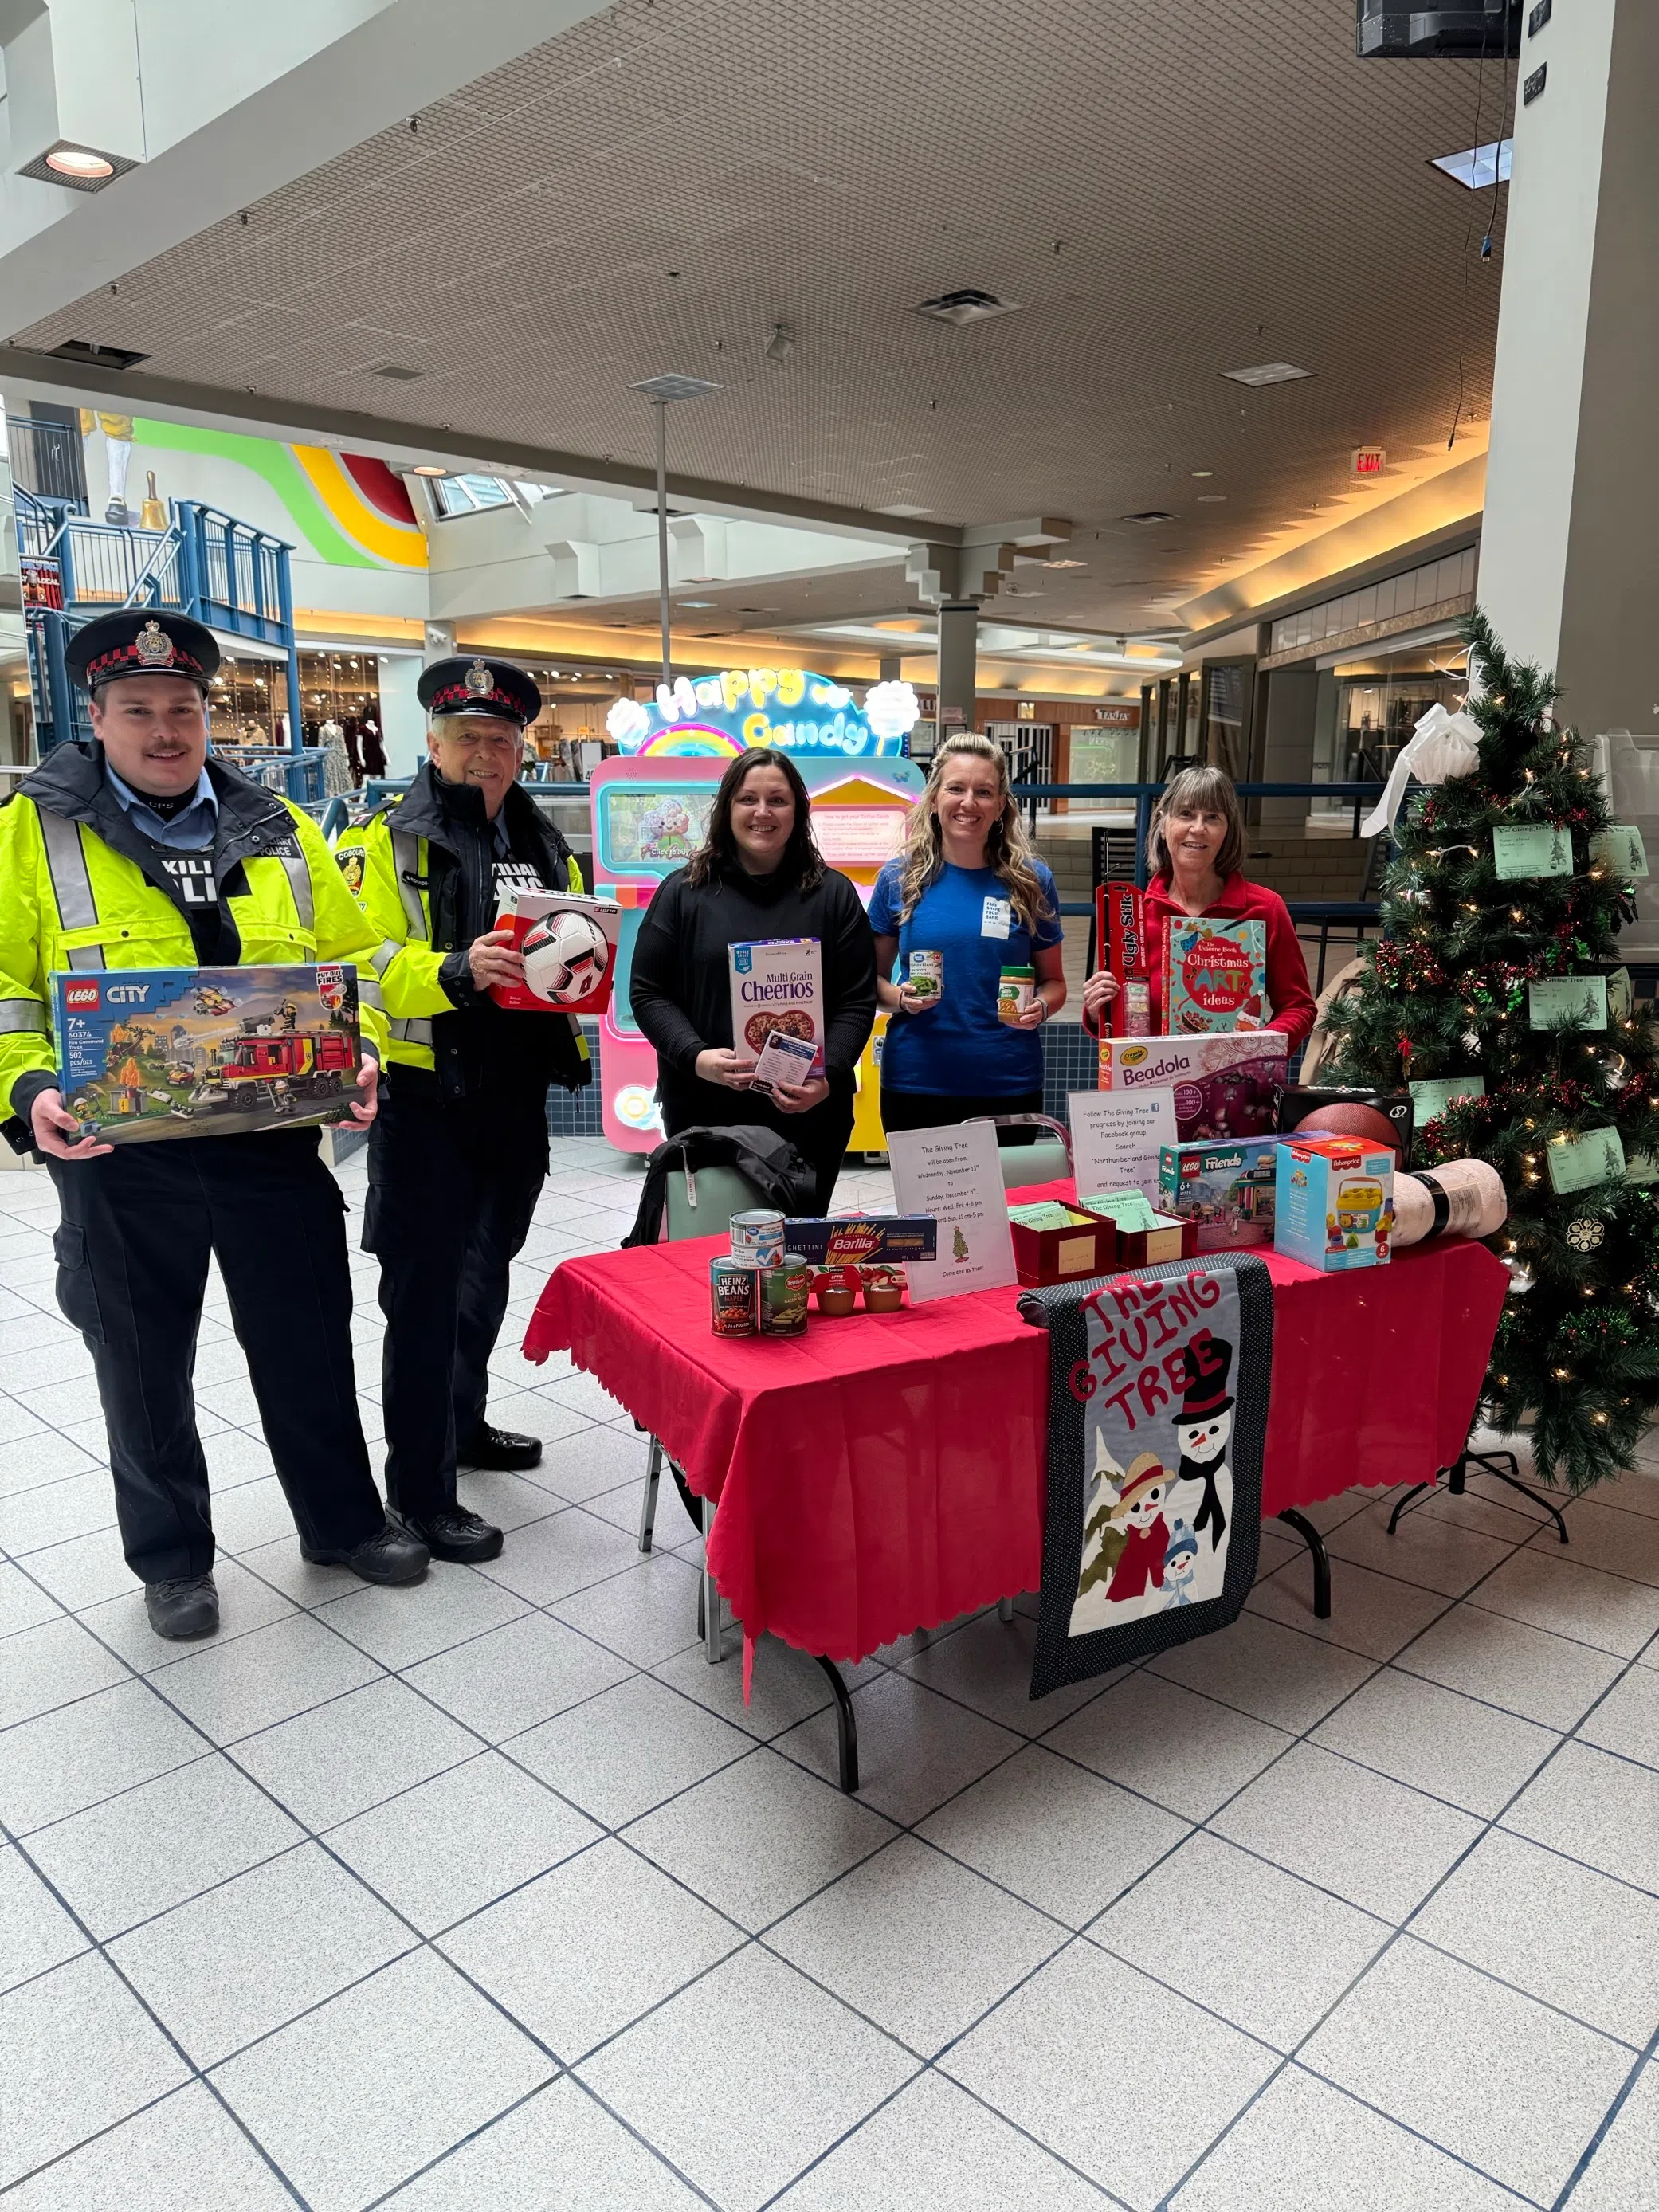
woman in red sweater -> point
(1194, 852)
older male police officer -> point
(459, 1151)
(139, 852)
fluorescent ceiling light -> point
(1266, 372)
(698, 603)
(1478, 166)
(674, 387)
(80, 163)
(1211, 498)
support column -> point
(958, 644)
(403, 717)
(1570, 546)
(890, 668)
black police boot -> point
(392, 1554)
(457, 1534)
(185, 1606)
(498, 1448)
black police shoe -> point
(185, 1606)
(457, 1534)
(392, 1554)
(498, 1448)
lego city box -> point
(569, 946)
(1224, 1086)
(1334, 1205)
(1226, 1191)
(148, 1052)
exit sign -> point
(1367, 461)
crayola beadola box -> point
(1334, 1202)
(777, 984)
(1225, 1086)
(145, 1053)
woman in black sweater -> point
(758, 874)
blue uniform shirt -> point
(191, 831)
(958, 1048)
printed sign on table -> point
(955, 1175)
(1117, 1136)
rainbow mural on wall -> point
(350, 509)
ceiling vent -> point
(96, 356)
(396, 373)
(965, 307)
(1151, 514)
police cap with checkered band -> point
(140, 641)
(476, 685)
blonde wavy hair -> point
(1008, 851)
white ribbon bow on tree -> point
(1441, 747)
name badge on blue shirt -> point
(998, 918)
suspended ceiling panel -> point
(1167, 188)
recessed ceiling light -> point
(427, 469)
(1211, 498)
(80, 163)
(1150, 515)
(99, 356)
(673, 386)
(968, 305)
(1478, 166)
(1267, 372)
(698, 603)
(1203, 472)
(395, 373)
(1065, 564)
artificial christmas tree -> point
(1497, 971)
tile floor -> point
(493, 1894)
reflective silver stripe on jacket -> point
(66, 864)
(298, 882)
(380, 961)
(368, 991)
(406, 861)
(418, 1032)
(23, 1014)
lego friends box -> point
(147, 1053)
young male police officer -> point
(139, 852)
(459, 1150)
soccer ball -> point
(565, 957)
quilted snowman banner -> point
(1157, 1409)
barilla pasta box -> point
(1224, 1086)
(569, 948)
(839, 1240)
(1334, 1202)
(1226, 1191)
(145, 1053)
(1217, 975)
(777, 984)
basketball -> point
(1348, 1118)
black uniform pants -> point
(452, 1191)
(138, 1226)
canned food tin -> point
(734, 1297)
(926, 977)
(1016, 990)
(783, 1294)
(758, 1237)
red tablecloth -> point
(886, 1472)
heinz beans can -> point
(758, 1237)
(733, 1297)
(783, 1293)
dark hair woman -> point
(1196, 860)
(757, 874)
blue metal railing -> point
(1145, 796)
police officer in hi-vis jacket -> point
(137, 851)
(460, 1152)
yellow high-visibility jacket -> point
(73, 894)
(395, 862)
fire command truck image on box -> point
(148, 1052)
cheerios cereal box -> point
(777, 984)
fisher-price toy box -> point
(1334, 1202)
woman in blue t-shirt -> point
(969, 889)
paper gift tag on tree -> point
(1432, 1094)
(1579, 1000)
(1580, 1162)
(1619, 849)
(1522, 851)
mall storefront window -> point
(1366, 710)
